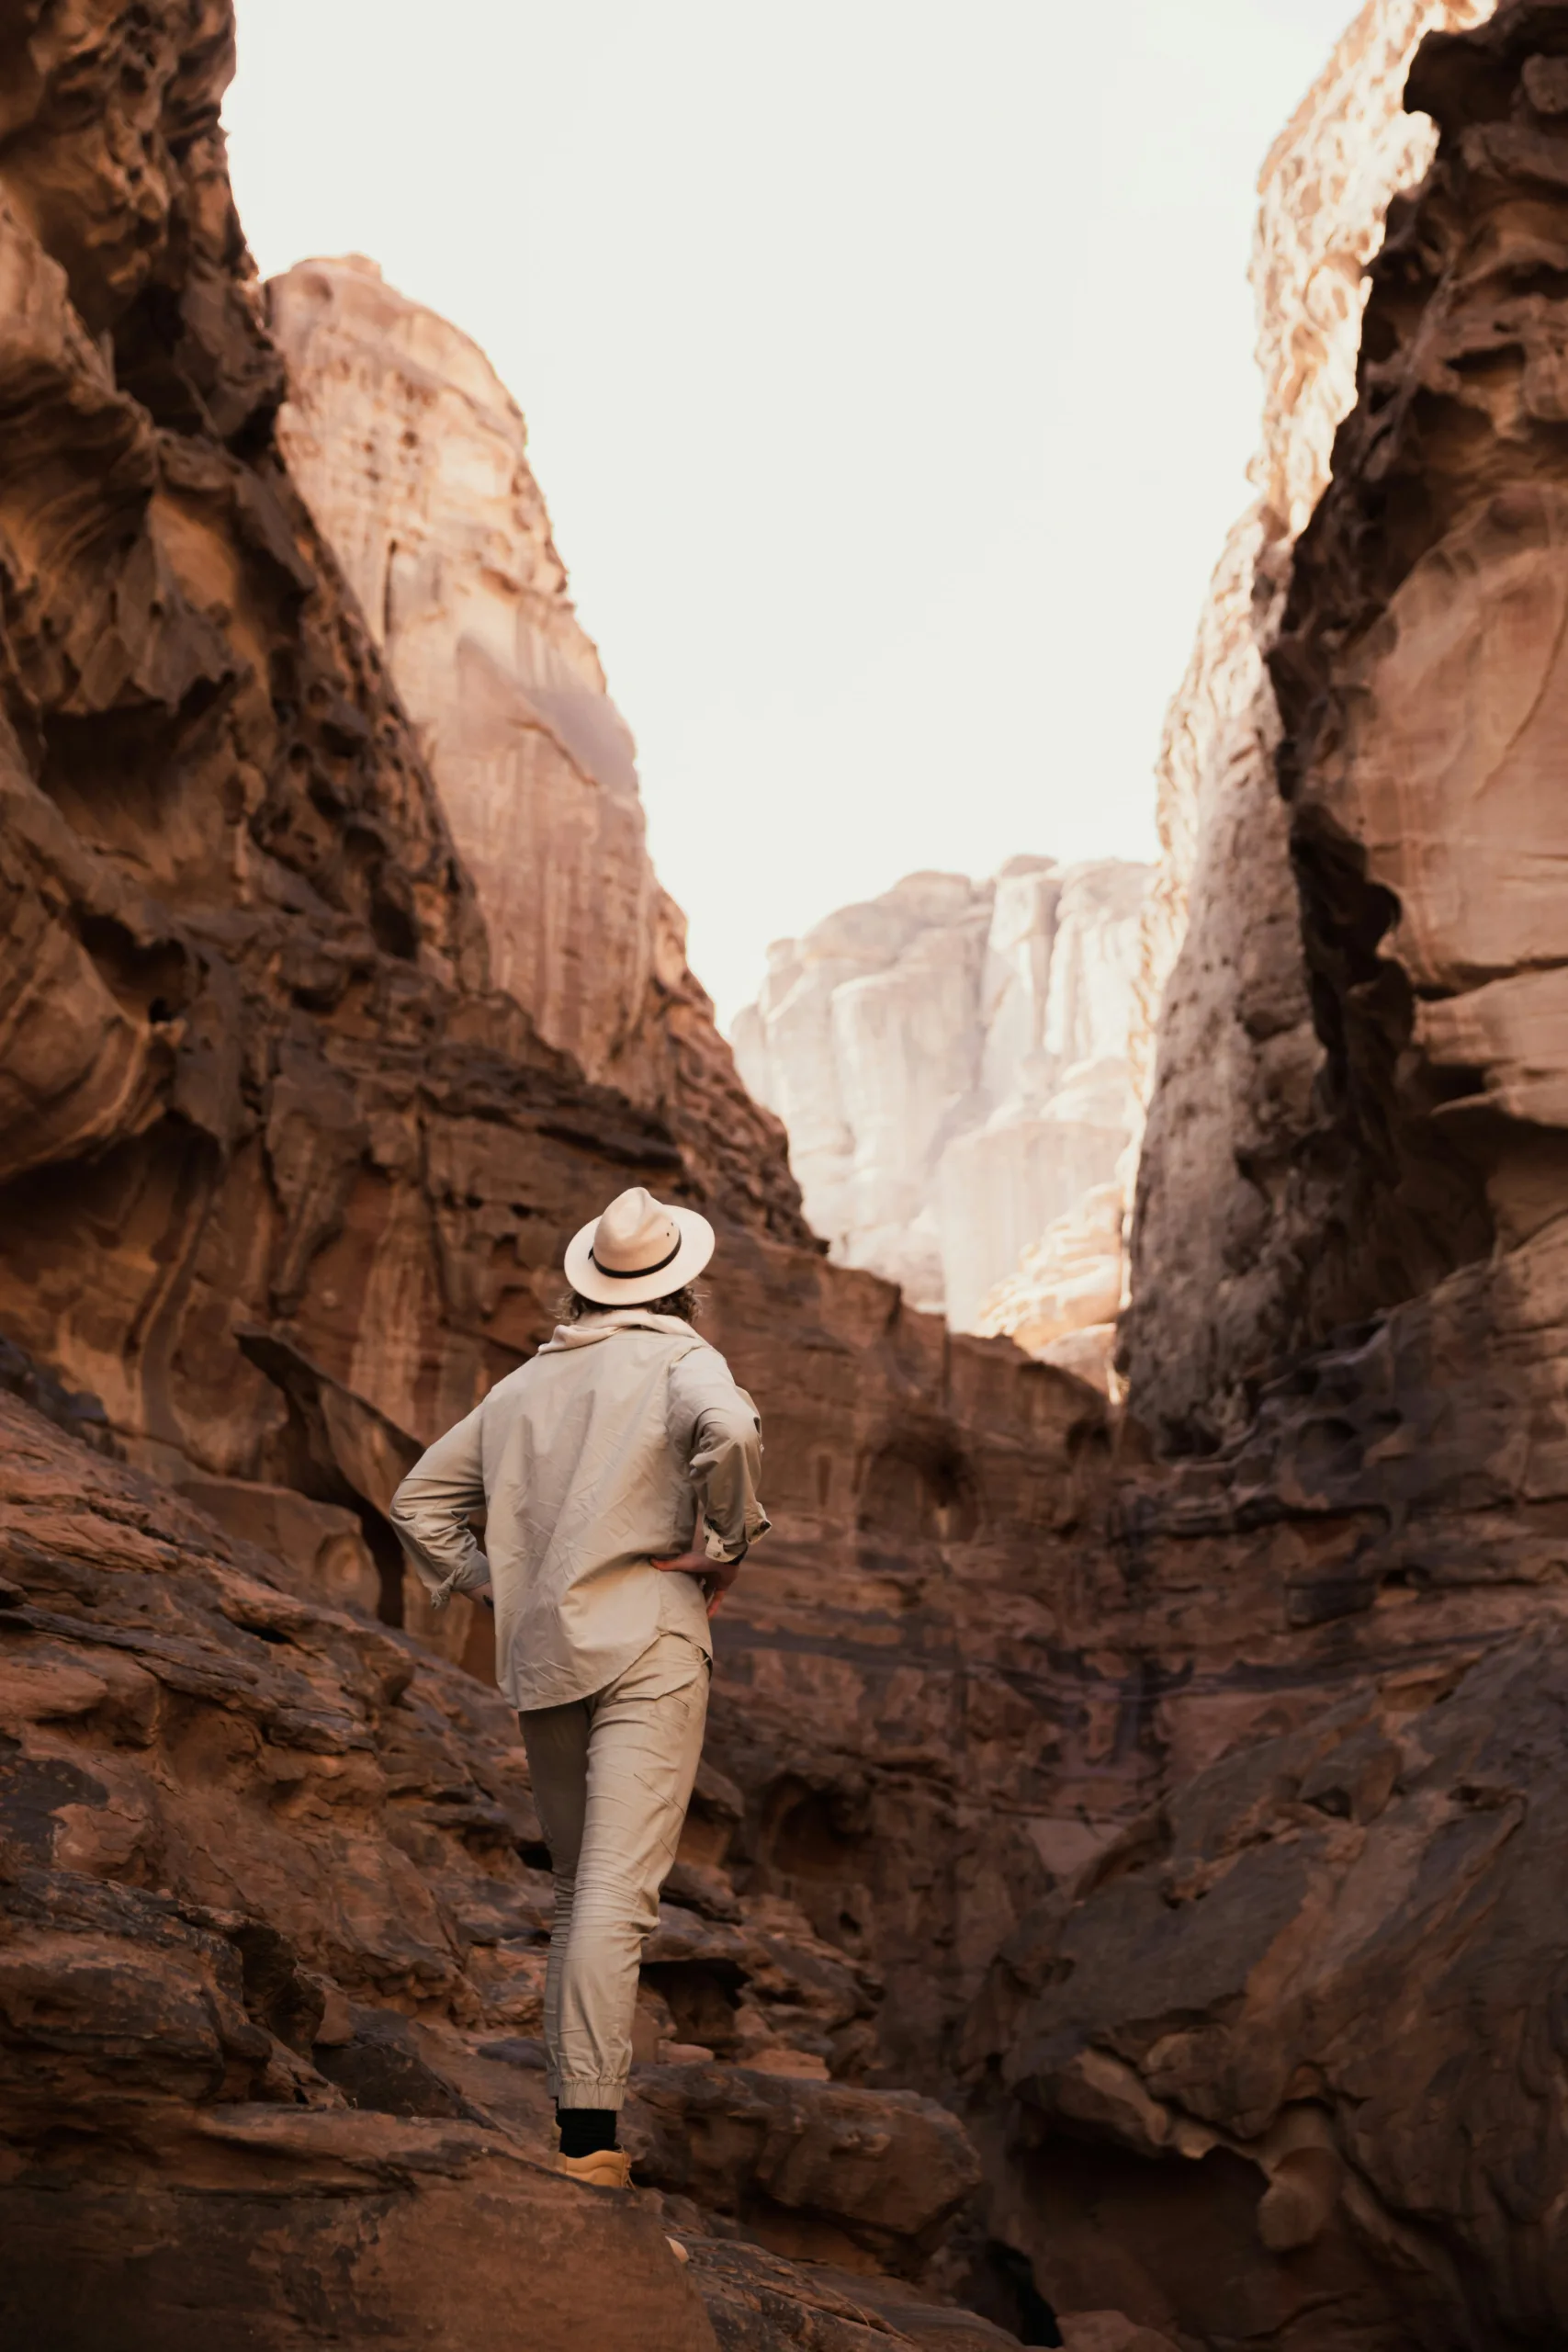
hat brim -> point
(634, 1290)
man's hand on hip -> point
(716, 1577)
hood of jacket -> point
(594, 1328)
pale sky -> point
(887, 370)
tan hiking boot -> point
(606, 2168)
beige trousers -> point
(612, 1778)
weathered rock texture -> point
(254, 1067)
(1308, 2008)
(950, 1061)
(1284, 2040)
(412, 456)
(1418, 672)
(1191, 1827)
(1224, 1049)
(284, 1181)
(272, 1938)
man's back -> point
(591, 1462)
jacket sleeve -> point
(430, 1511)
(717, 1430)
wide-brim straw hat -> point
(640, 1248)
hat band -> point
(634, 1274)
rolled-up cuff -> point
(731, 1549)
(600, 2090)
(460, 1580)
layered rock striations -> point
(950, 1061)
(273, 1921)
(255, 1070)
(1303, 2017)
(1225, 1052)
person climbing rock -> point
(618, 1472)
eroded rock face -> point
(284, 1181)
(1316, 1988)
(1419, 675)
(1349, 1628)
(950, 1061)
(1224, 1050)
(412, 456)
(272, 1940)
(1415, 1127)
(254, 1071)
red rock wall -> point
(284, 1181)
(1418, 671)
(413, 458)
(1225, 1052)
(253, 1066)
(1285, 2043)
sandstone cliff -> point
(1331, 1943)
(950, 1061)
(255, 1069)
(1224, 1049)
(284, 1181)
(412, 456)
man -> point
(595, 1464)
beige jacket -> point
(589, 1462)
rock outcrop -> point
(272, 1930)
(1417, 672)
(950, 1061)
(255, 1069)
(1316, 1993)
(1349, 1624)
(1292, 2037)
(1224, 1052)
(413, 458)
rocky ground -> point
(272, 1943)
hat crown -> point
(635, 1233)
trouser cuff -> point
(598, 2090)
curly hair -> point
(687, 1303)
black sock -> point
(585, 2130)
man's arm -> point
(431, 1509)
(716, 1426)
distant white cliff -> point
(950, 1060)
